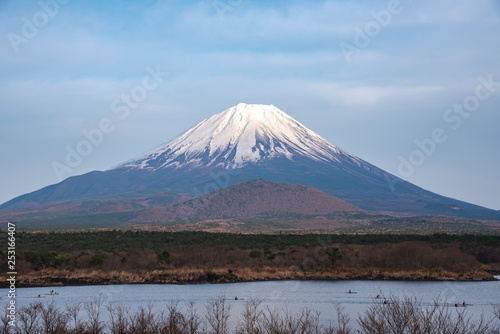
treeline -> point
(163, 257)
(408, 315)
(111, 241)
(402, 256)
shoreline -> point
(220, 277)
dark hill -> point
(248, 199)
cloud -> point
(372, 98)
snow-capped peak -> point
(240, 135)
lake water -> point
(290, 295)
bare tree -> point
(118, 319)
(143, 321)
(250, 323)
(217, 315)
(93, 310)
(29, 318)
(272, 322)
(73, 312)
(193, 321)
(342, 322)
(401, 316)
(175, 322)
(54, 321)
(410, 316)
(4, 322)
(309, 322)
(496, 311)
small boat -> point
(52, 293)
(351, 292)
(460, 305)
(39, 296)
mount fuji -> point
(248, 142)
(241, 136)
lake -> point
(283, 295)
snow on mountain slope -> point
(244, 143)
(243, 134)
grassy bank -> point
(54, 277)
(113, 257)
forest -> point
(116, 257)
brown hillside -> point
(248, 199)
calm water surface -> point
(291, 296)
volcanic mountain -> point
(249, 199)
(248, 142)
(241, 136)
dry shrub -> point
(23, 265)
(409, 316)
(405, 316)
(488, 255)
(407, 256)
(413, 256)
(141, 259)
(456, 260)
(83, 261)
(112, 262)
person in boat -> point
(235, 298)
(378, 296)
(463, 304)
(456, 305)
(350, 291)
(39, 296)
(385, 301)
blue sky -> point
(376, 101)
